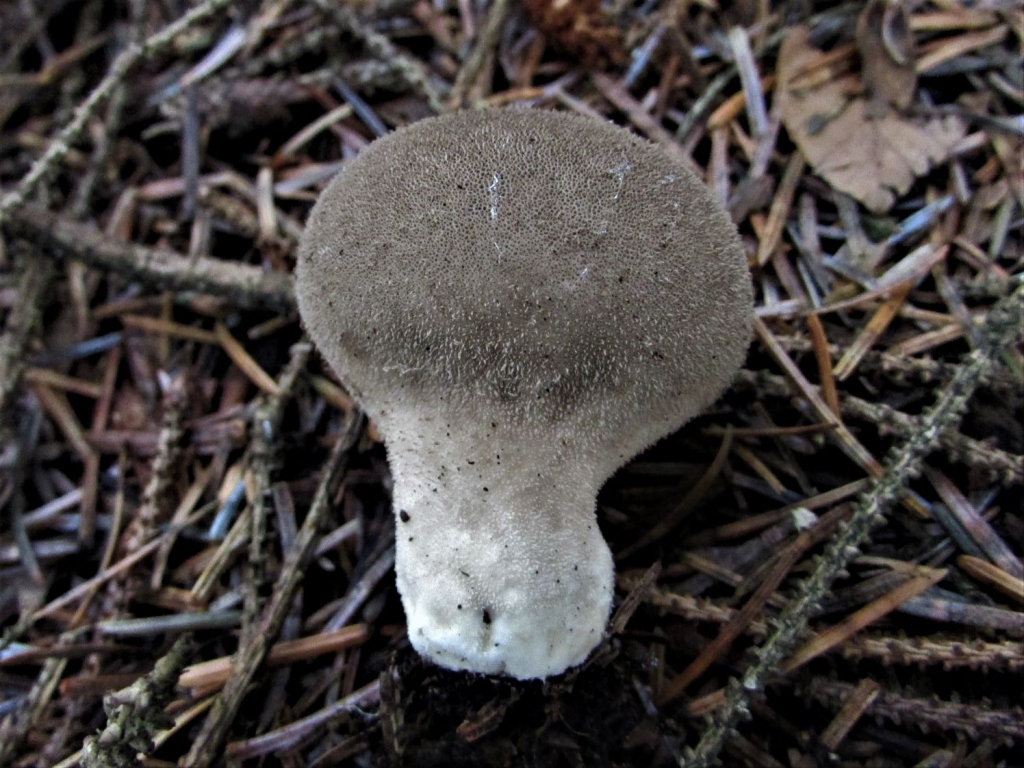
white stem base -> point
(500, 563)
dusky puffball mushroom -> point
(521, 301)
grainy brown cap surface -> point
(541, 256)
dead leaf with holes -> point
(871, 157)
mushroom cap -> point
(554, 266)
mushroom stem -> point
(500, 563)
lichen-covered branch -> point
(14, 728)
(33, 282)
(243, 285)
(972, 719)
(136, 713)
(1006, 466)
(974, 453)
(950, 653)
(263, 463)
(208, 744)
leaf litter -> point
(172, 199)
(870, 154)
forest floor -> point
(196, 538)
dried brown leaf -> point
(872, 158)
